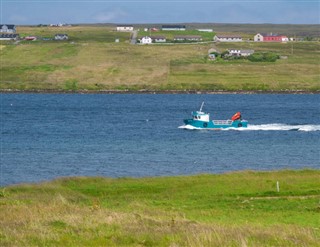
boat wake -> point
(268, 127)
(188, 127)
(284, 127)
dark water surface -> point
(44, 136)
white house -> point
(61, 36)
(240, 53)
(124, 28)
(187, 38)
(258, 37)
(7, 28)
(146, 40)
(230, 38)
(158, 39)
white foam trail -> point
(188, 127)
(268, 127)
(282, 127)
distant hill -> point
(294, 30)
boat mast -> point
(201, 106)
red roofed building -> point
(270, 38)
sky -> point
(33, 12)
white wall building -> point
(240, 53)
(9, 36)
(124, 28)
(205, 30)
(158, 39)
(146, 40)
(223, 38)
(61, 36)
(258, 37)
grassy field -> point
(91, 60)
(233, 209)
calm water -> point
(44, 136)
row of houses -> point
(257, 38)
(129, 28)
(217, 38)
(163, 39)
(15, 36)
(8, 32)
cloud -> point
(107, 16)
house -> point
(124, 28)
(205, 30)
(158, 39)
(187, 38)
(240, 53)
(258, 37)
(270, 38)
(229, 38)
(146, 40)
(7, 28)
(173, 27)
(61, 36)
(9, 36)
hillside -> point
(92, 60)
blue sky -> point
(32, 12)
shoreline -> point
(137, 178)
(56, 91)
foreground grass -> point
(91, 60)
(236, 209)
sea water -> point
(45, 136)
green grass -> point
(233, 209)
(93, 60)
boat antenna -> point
(201, 106)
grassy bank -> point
(91, 60)
(235, 209)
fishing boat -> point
(201, 120)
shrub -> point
(263, 57)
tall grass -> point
(235, 209)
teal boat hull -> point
(216, 124)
